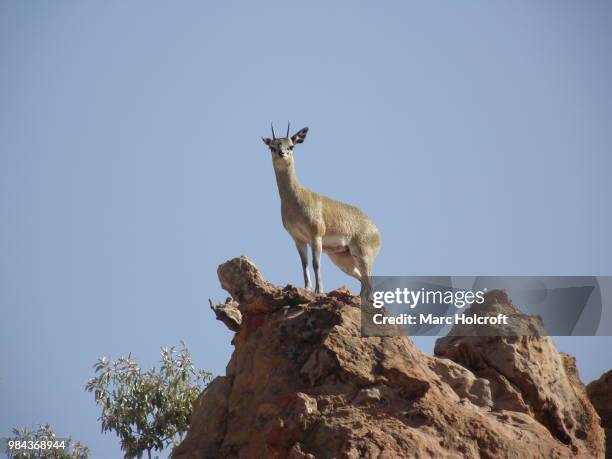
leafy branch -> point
(148, 410)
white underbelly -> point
(335, 242)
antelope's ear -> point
(299, 136)
(267, 140)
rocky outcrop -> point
(526, 372)
(600, 394)
(228, 313)
(303, 383)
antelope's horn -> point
(272, 126)
(288, 125)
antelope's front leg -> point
(317, 247)
(303, 251)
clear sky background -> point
(477, 135)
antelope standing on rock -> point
(344, 232)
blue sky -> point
(477, 135)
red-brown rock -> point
(600, 394)
(303, 384)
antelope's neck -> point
(288, 185)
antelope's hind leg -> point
(346, 262)
(363, 260)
